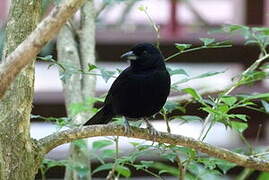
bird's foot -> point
(127, 127)
(151, 129)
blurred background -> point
(120, 25)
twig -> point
(181, 167)
(195, 49)
(154, 25)
(112, 171)
(245, 174)
(228, 91)
(100, 10)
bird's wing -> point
(118, 86)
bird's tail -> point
(101, 117)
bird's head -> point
(145, 55)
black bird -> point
(140, 91)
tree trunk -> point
(19, 157)
(78, 87)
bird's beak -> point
(129, 56)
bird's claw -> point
(152, 130)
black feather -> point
(101, 117)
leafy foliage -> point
(220, 109)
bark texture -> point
(19, 158)
(54, 140)
(29, 48)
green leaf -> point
(177, 72)
(204, 75)
(263, 176)
(165, 168)
(202, 172)
(91, 67)
(182, 47)
(103, 167)
(170, 156)
(135, 144)
(97, 145)
(83, 171)
(265, 105)
(123, 170)
(193, 93)
(147, 164)
(76, 108)
(222, 43)
(208, 74)
(223, 108)
(46, 58)
(229, 100)
(252, 76)
(251, 42)
(106, 75)
(81, 143)
(189, 118)
(207, 41)
(239, 116)
(108, 153)
(142, 8)
(239, 126)
(224, 165)
(52, 163)
(263, 30)
(189, 151)
(171, 106)
(212, 163)
(235, 27)
(255, 96)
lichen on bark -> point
(17, 154)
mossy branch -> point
(31, 46)
(48, 143)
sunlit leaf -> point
(97, 145)
(204, 75)
(229, 100)
(239, 126)
(182, 47)
(91, 67)
(235, 27)
(189, 118)
(123, 170)
(177, 72)
(193, 93)
(103, 167)
(207, 41)
(171, 106)
(263, 176)
(239, 116)
(106, 75)
(108, 153)
(46, 58)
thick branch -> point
(29, 48)
(59, 138)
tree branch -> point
(48, 143)
(30, 47)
